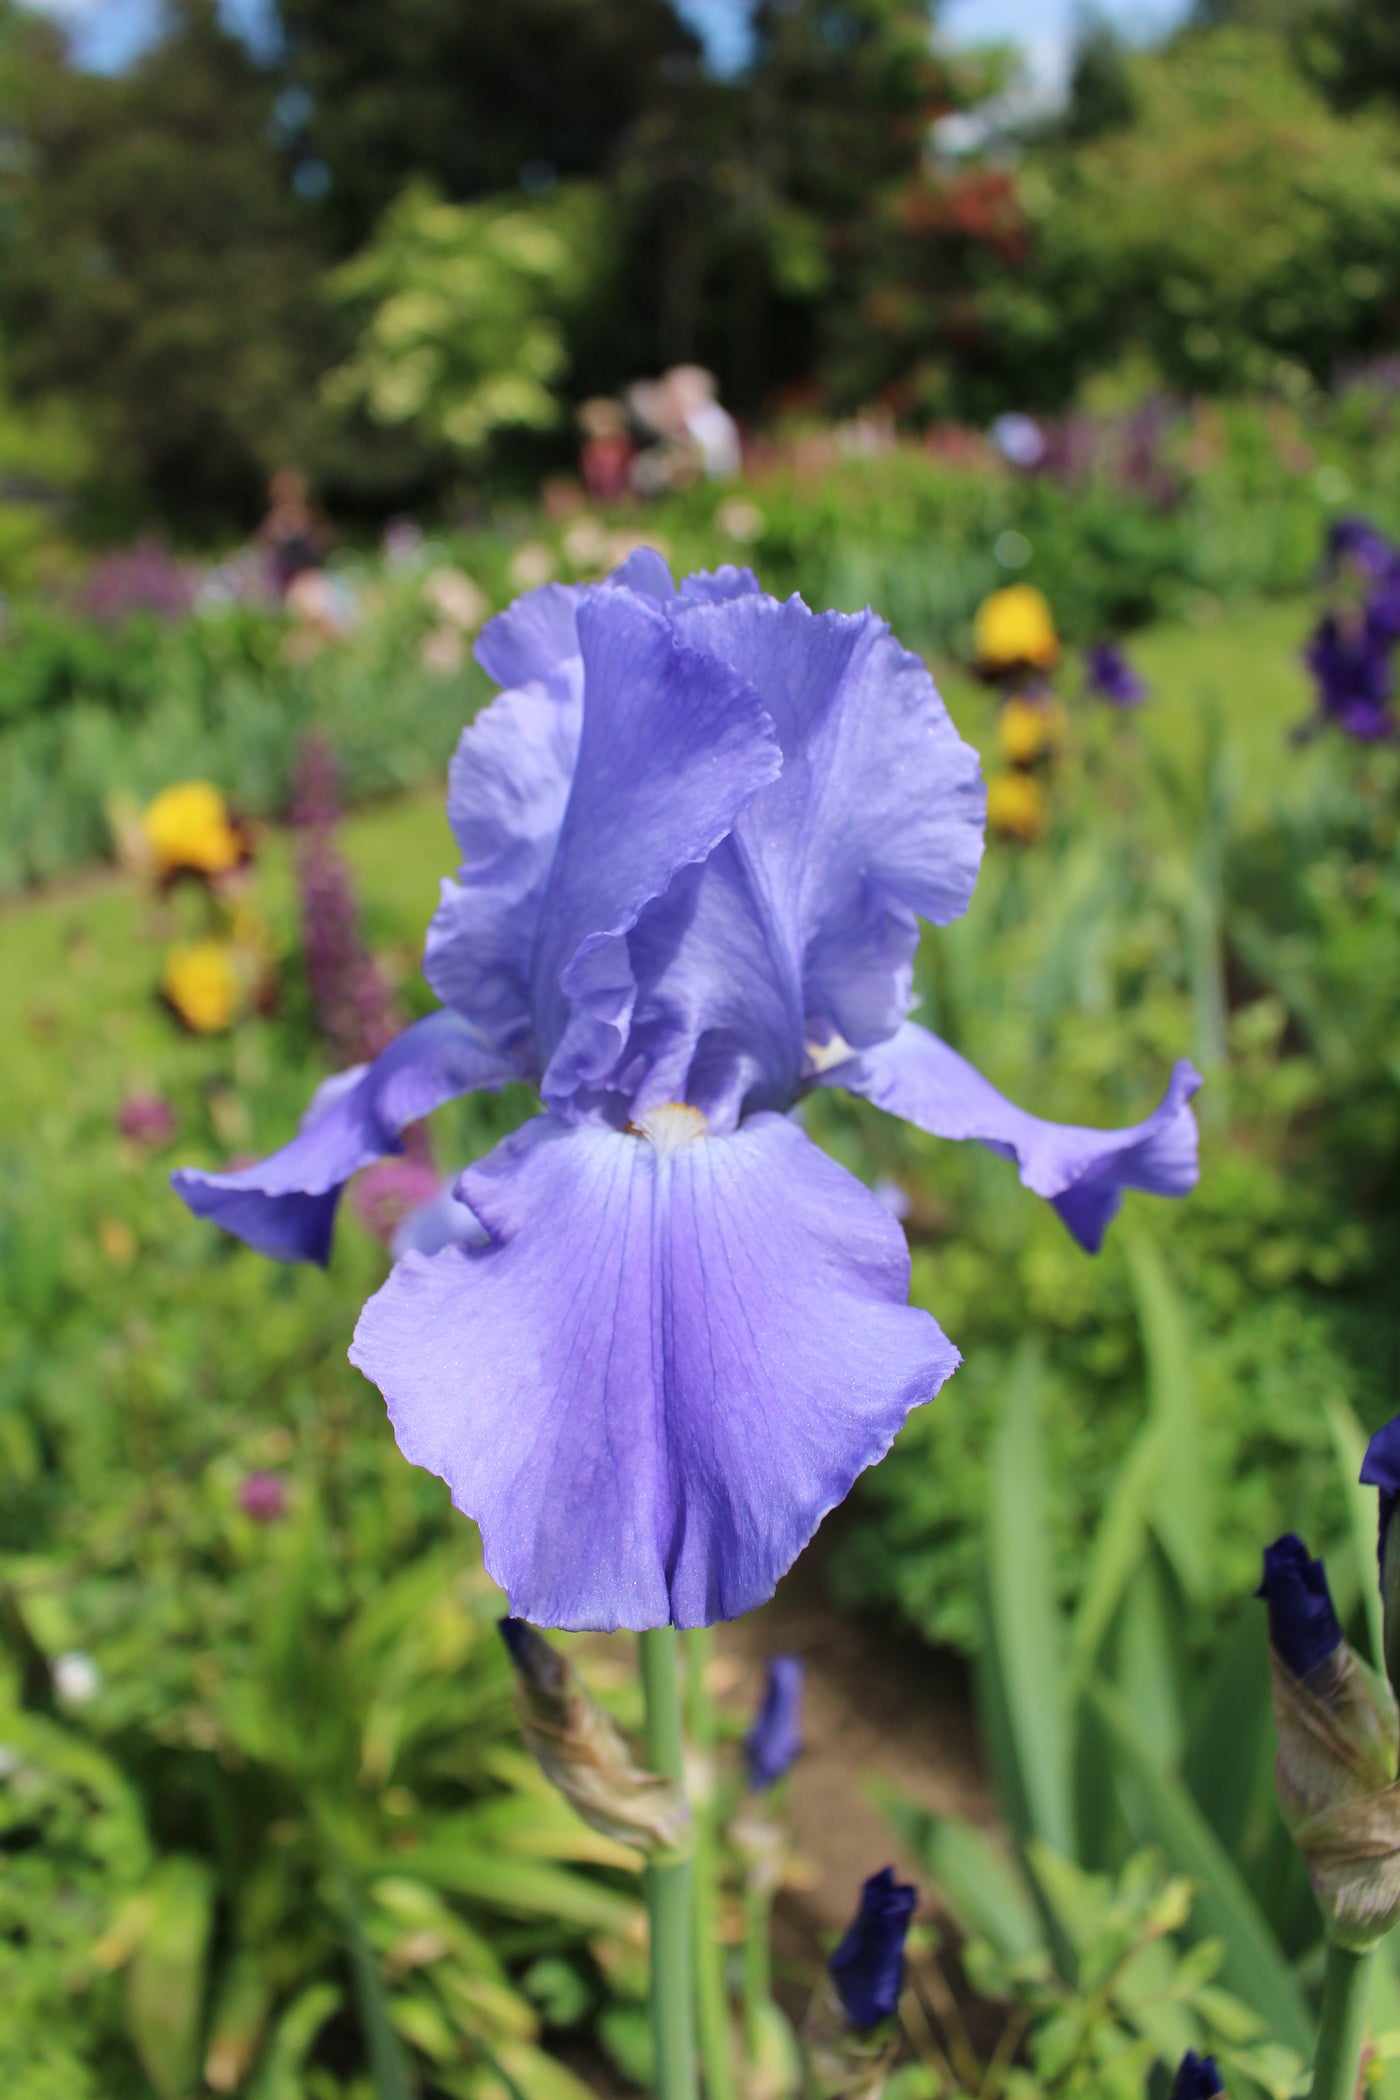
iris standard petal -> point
(535, 639)
(673, 744)
(1082, 1172)
(876, 816)
(507, 792)
(674, 1357)
(285, 1205)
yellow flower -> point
(1014, 626)
(1016, 806)
(201, 982)
(1030, 729)
(188, 827)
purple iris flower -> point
(1350, 662)
(1302, 1623)
(698, 831)
(1197, 2078)
(868, 1966)
(774, 1743)
(1111, 677)
(1357, 543)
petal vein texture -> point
(662, 1372)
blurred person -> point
(290, 533)
(605, 455)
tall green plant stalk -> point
(1341, 2034)
(668, 1881)
(711, 1990)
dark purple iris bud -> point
(774, 1743)
(538, 1663)
(263, 1498)
(868, 1966)
(1197, 2079)
(1302, 1623)
(1111, 677)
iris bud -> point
(1303, 1626)
(1337, 1746)
(1198, 2078)
(849, 2036)
(1381, 1469)
(774, 1743)
(583, 1753)
(868, 1966)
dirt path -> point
(878, 1705)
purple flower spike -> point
(774, 1743)
(1198, 2078)
(655, 1336)
(1111, 677)
(1302, 1623)
(868, 1966)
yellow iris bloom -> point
(1030, 729)
(188, 827)
(1014, 626)
(1016, 806)
(200, 979)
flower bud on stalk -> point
(583, 1754)
(1380, 1469)
(1197, 2078)
(774, 1742)
(850, 2034)
(1338, 1739)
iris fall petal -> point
(673, 1358)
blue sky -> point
(109, 32)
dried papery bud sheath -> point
(581, 1752)
(1338, 1738)
(1197, 2078)
(774, 1742)
(850, 2036)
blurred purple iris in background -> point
(868, 1966)
(1350, 663)
(698, 830)
(774, 1743)
(1349, 653)
(1109, 676)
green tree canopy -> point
(158, 269)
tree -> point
(476, 95)
(158, 268)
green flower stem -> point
(758, 1964)
(711, 1992)
(1346, 1985)
(668, 1882)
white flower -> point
(76, 1678)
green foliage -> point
(157, 267)
(1238, 230)
(1106, 1734)
(465, 310)
(1127, 1999)
(291, 1834)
